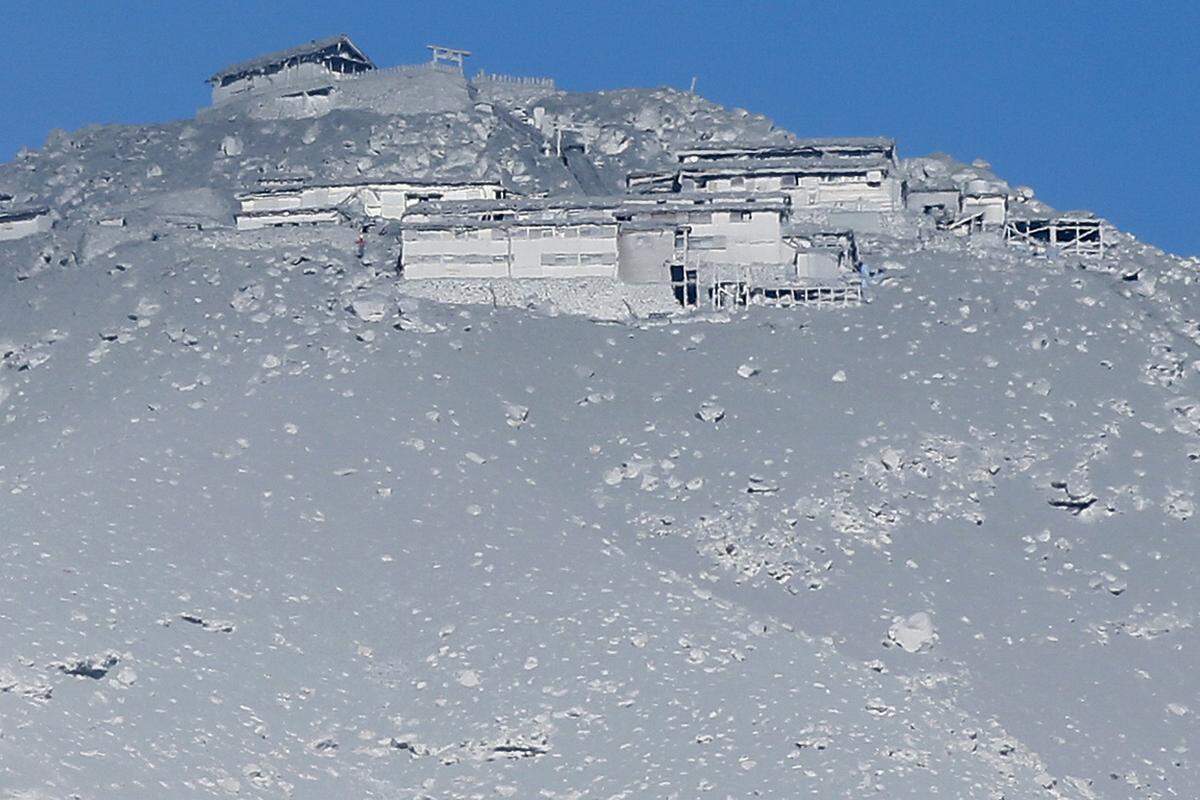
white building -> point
(311, 68)
(461, 247)
(834, 175)
(22, 221)
(984, 205)
(289, 217)
(386, 199)
(690, 240)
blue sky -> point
(1096, 105)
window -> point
(594, 259)
(741, 216)
(787, 181)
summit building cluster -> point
(720, 222)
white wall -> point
(994, 208)
(300, 76)
(918, 200)
(386, 200)
(721, 237)
(479, 253)
(390, 201)
(817, 264)
(642, 255)
(309, 217)
(850, 192)
(569, 251)
(20, 228)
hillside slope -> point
(261, 541)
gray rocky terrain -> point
(274, 527)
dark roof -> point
(19, 213)
(312, 50)
(810, 146)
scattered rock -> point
(914, 633)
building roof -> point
(303, 52)
(289, 212)
(787, 164)
(807, 228)
(459, 222)
(515, 205)
(815, 146)
(1019, 212)
(362, 183)
(623, 205)
(18, 213)
(932, 184)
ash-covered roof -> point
(364, 183)
(290, 212)
(788, 164)
(312, 51)
(18, 213)
(810, 229)
(817, 146)
(625, 205)
(1019, 211)
(466, 221)
(932, 184)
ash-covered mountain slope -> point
(108, 169)
(274, 528)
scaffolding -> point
(1083, 236)
(732, 287)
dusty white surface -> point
(273, 526)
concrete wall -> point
(994, 208)
(724, 237)
(386, 200)
(851, 192)
(293, 78)
(919, 200)
(643, 255)
(391, 201)
(817, 265)
(573, 251)
(568, 251)
(307, 217)
(20, 228)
